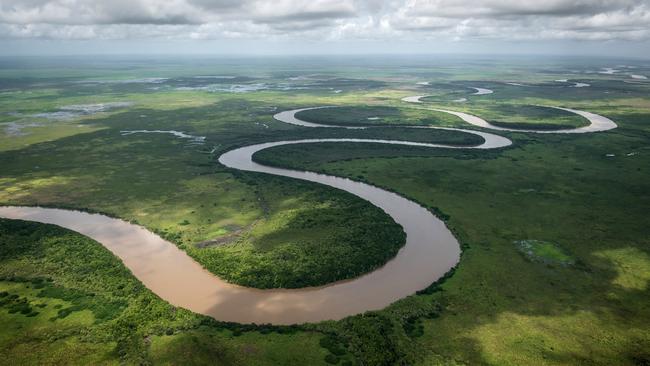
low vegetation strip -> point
(364, 115)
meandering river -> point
(430, 249)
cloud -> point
(301, 10)
(77, 12)
(389, 20)
(505, 8)
(525, 19)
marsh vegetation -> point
(64, 298)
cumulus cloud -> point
(502, 8)
(326, 19)
(515, 20)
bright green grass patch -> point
(632, 267)
(544, 252)
(22, 331)
(41, 311)
(42, 133)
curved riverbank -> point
(491, 141)
(430, 250)
(597, 122)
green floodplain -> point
(554, 229)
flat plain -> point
(554, 229)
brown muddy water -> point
(430, 249)
(429, 252)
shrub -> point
(332, 345)
(331, 359)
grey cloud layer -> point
(326, 19)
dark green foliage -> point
(530, 126)
(102, 308)
(435, 287)
(86, 275)
(305, 249)
(333, 345)
(63, 313)
(438, 212)
(14, 304)
(371, 338)
(331, 359)
(413, 327)
(354, 116)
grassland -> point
(588, 195)
(501, 308)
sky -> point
(571, 27)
